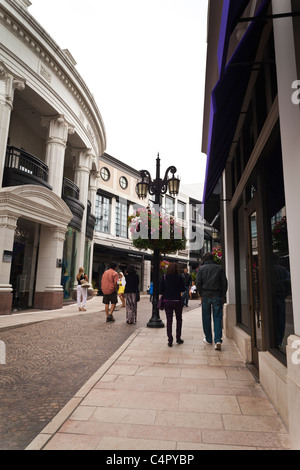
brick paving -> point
(49, 361)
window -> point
(105, 174)
(102, 213)
(121, 219)
(181, 210)
(169, 205)
(123, 182)
(243, 316)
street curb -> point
(56, 423)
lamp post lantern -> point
(156, 188)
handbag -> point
(160, 303)
(85, 284)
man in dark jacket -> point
(212, 285)
(187, 280)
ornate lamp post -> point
(156, 188)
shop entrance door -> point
(255, 287)
(24, 262)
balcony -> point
(23, 168)
(70, 194)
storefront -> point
(24, 264)
(264, 307)
(251, 138)
(104, 256)
(33, 223)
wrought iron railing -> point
(26, 163)
(70, 189)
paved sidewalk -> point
(148, 396)
(28, 317)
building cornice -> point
(31, 33)
(120, 165)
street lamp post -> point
(156, 188)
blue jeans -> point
(186, 296)
(212, 305)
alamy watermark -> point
(296, 354)
(2, 353)
(154, 223)
(296, 94)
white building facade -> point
(51, 135)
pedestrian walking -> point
(121, 290)
(187, 280)
(212, 285)
(171, 288)
(82, 292)
(109, 286)
(151, 291)
(131, 294)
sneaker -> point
(218, 346)
(110, 318)
(206, 342)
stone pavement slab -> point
(152, 397)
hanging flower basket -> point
(154, 231)
(280, 236)
(217, 253)
(163, 266)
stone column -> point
(93, 186)
(94, 175)
(230, 306)
(49, 291)
(8, 224)
(58, 130)
(8, 84)
(82, 176)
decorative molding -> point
(35, 202)
(24, 3)
(9, 82)
(8, 221)
(50, 64)
(44, 72)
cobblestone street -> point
(48, 362)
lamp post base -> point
(155, 323)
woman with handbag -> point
(171, 287)
(131, 294)
(121, 289)
(82, 291)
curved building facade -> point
(51, 137)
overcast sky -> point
(144, 61)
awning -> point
(232, 11)
(227, 100)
